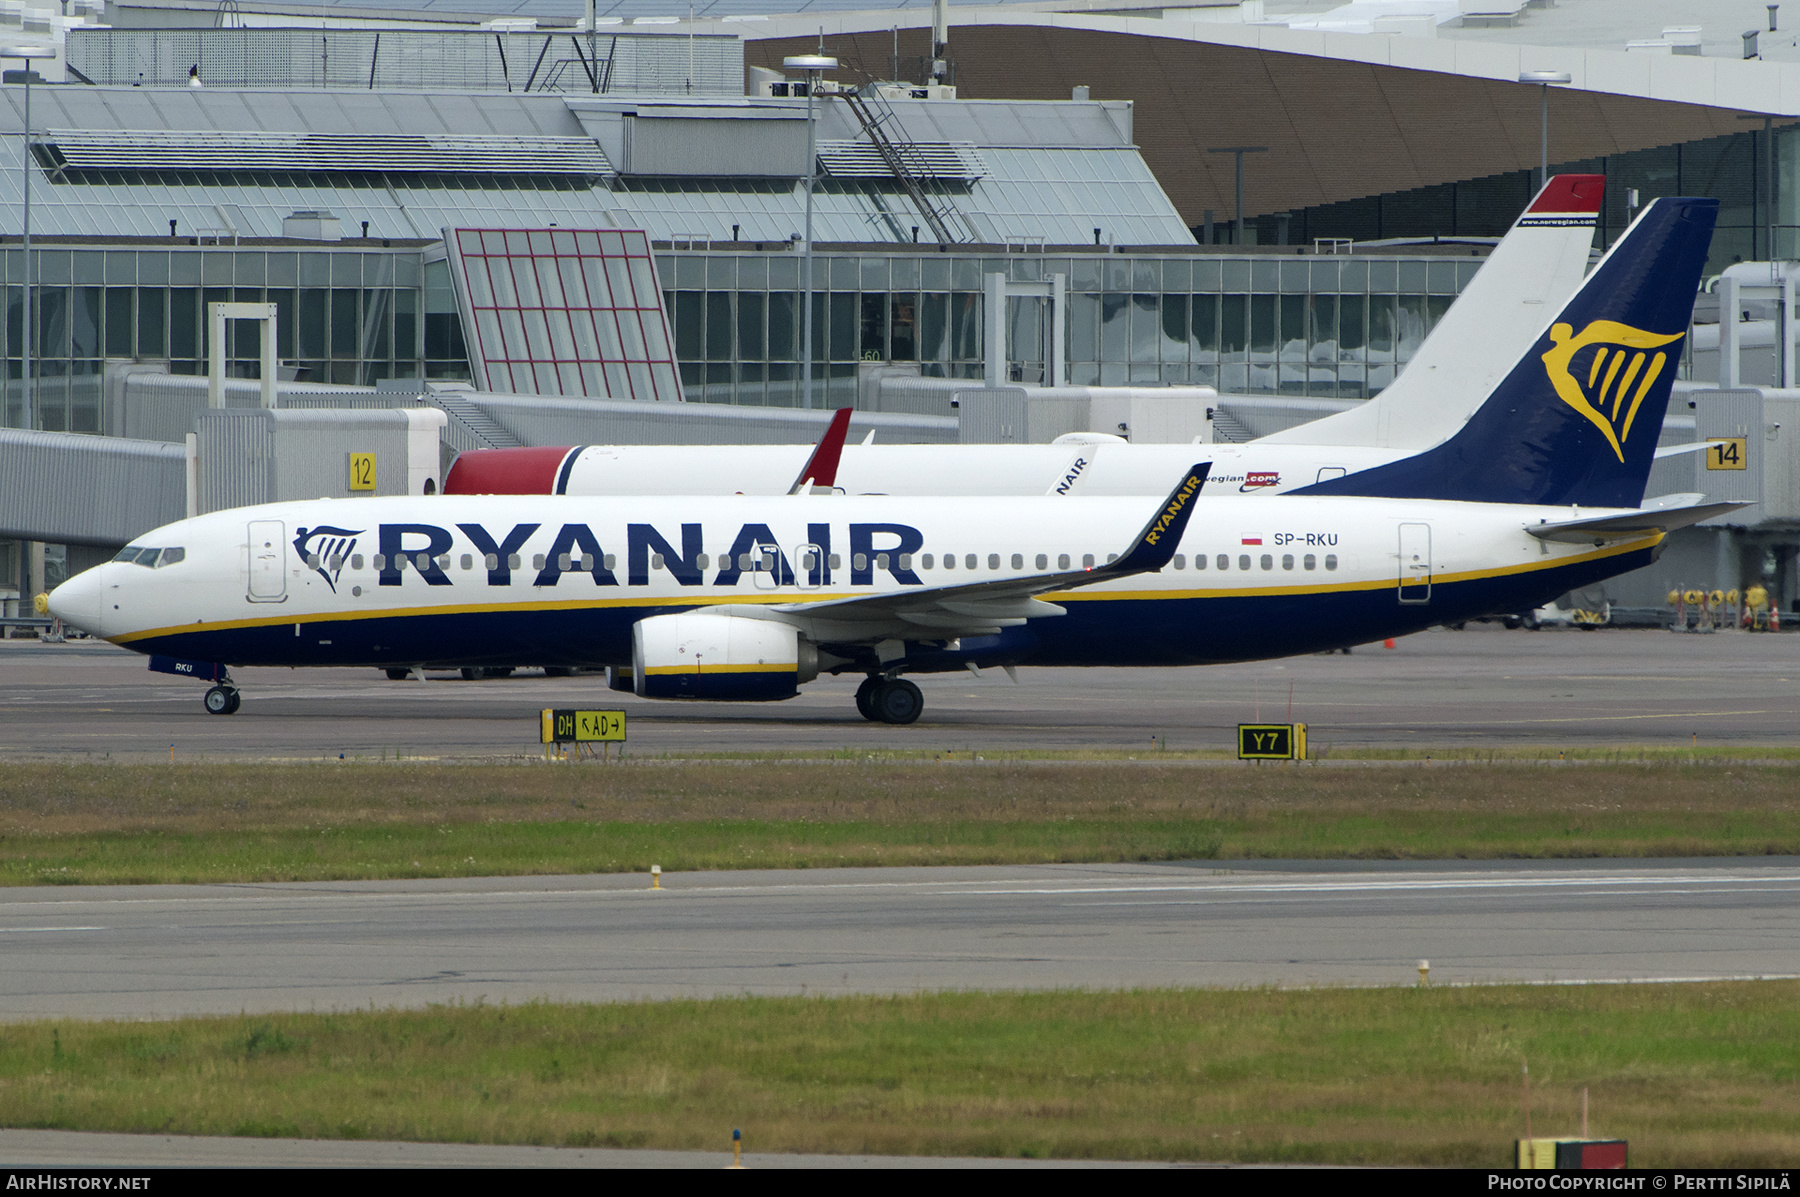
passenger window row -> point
(1015, 561)
(156, 558)
(1264, 560)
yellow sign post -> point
(362, 471)
(1271, 741)
(582, 728)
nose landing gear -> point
(223, 699)
(889, 700)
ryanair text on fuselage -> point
(577, 549)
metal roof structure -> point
(609, 13)
(618, 61)
(1351, 117)
(237, 151)
(1720, 75)
(927, 160)
(1566, 24)
(125, 161)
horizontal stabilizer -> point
(1631, 525)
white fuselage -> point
(544, 579)
(1058, 470)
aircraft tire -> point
(237, 700)
(398, 675)
(897, 701)
(863, 695)
(220, 700)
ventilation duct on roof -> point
(752, 141)
(135, 149)
(311, 226)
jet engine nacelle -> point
(719, 657)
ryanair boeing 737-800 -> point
(749, 597)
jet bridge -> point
(68, 488)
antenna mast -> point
(940, 41)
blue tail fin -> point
(1576, 421)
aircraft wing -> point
(983, 608)
(1632, 524)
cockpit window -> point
(150, 558)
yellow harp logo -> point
(1618, 375)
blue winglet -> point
(1156, 544)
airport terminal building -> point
(250, 196)
(177, 161)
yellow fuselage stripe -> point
(777, 667)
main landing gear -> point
(223, 699)
(889, 700)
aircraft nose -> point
(77, 601)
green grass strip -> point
(1703, 1075)
(93, 824)
(554, 848)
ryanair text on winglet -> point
(1187, 491)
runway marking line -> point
(964, 889)
(1590, 719)
(1702, 980)
(34, 930)
(1611, 893)
(1359, 886)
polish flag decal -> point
(1252, 540)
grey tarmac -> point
(1479, 688)
(164, 951)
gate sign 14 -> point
(1725, 452)
(583, 727)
